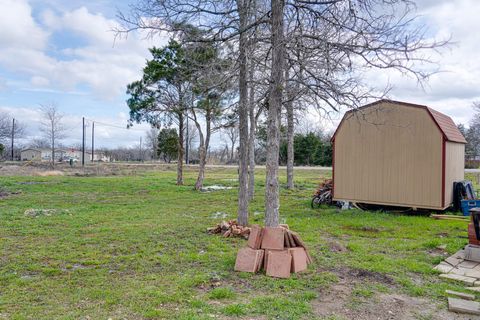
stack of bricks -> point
(277, 249)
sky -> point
(65, 52)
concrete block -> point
(468, 264)
(454, 261)
(472, 253)
(444, 267)
(463, 306)
(273, 238)
(456, 277)
(279, 264)
(466, 296)
(476, 289)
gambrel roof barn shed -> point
(397, 154)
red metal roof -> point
(444, 123)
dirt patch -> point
(362, 228)
(4, 193)
(349, 274)
(336, 246)
(341, 301)
(338, 302)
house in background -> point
(41, 154)
(31, 154)
(77, 155)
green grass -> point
(135, 247)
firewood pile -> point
(278, 250)
(230, 229)
(323, 195)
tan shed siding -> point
(389, 154)
(454, 167)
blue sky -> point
(64, 52)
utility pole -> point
(13, 135)
(83, 141)
(187, 146)
(93, 139)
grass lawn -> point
(135, 247)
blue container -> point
(469, 204)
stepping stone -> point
(443, 267)
(248, 260)
(463, 306)
(273, 238)
(454, 261)
(459, 254)
(265, 257)
(468, 264)
(456, 277)
(255, 237)
(476, 289)
(279, 264)
(462, 295)
(299, 259)
(474, 273)
(457, 270)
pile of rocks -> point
(230, 229)
(278, 250)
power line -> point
(114, 125)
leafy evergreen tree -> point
(167, 144)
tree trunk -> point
(272, 202)
(202, 153)
(180, 149)
(202, 150)
(251, 138)
(290, 138)
(243, 119)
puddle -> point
(215, 188)
(218, 215)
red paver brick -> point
(279, 264)
(273, 238)
(248, 259)
(255, 237)
(260, 260)
(299, 259)
(265, 257)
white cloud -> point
(93, 60)
(17, 27)
(452, 90)
(39, 81)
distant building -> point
(77, 155)
(40, 154)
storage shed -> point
(397, 154)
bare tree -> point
(327, 44)
(231, 139)
(10, 130)
(152, 141)
(192, 138)
(52, 126)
